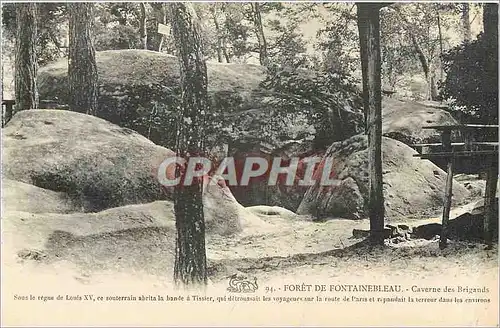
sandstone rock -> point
(97, 164)
(403, 121)
(20, 196)
(258, 192)
(223, 214)
(359, 233)
(268, 211)
(126, 238)
(426, 231)
(93, 166)
(133, 237)
(139, 89)
(51, 169)
(411, 189)
(123, 71)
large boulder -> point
(223, 214)
(59, 165)
(20, 196)
(413, 188)
(139, 89)
(123, 73)
(403, 120)
(37, 218)
(58, 161)
(97, 164)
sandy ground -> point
(280, 252)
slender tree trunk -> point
(466, 21)
(441, 69)
(363, 44)
(490, 25)
(433, 88)
(160, 45)
(490, 21)
(224, 51)
(259, 31)
(218, 33)
(369, 36)
(82, 67)
(190, 254)
(142, 26)
(224, 40)
(26, 66)
(421, 56)
(161, 18)
(490, 214)
(424, 62)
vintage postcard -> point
(328, 164)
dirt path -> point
(281, 252)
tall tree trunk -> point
(421, 55)
(424, 62)
(466, 21)
(369, 36)
(441, 69)
(433, 88)
(142, 26)
(160, 44)
(490, 21)
(82, 68)
(490, 25)
(224, 39)
(26, 66)
(190, 254)
(259, 31)
(218, 32)
(161, 18)
(224, 51)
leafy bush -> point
(472, 80)
(329, 100)
(156, 118)
(116, 37)
(51, 24)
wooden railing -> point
(486, 151)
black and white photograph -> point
(300, 163)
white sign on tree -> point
(163, 29)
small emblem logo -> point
(239, 284)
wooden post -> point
(369, 36)
(9, 110)
(489, 202)
(446, 140)
(468, 139)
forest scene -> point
(398, 102)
